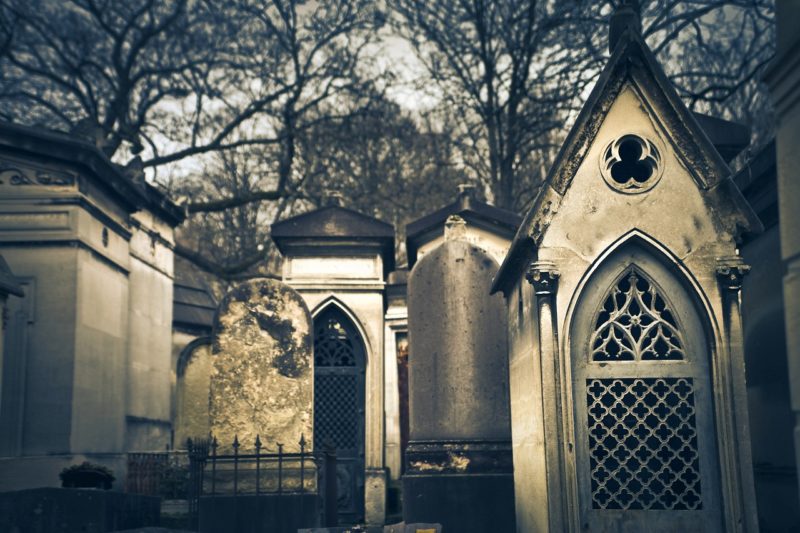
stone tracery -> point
(635, 323)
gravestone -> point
(262, 377)
(458, 461)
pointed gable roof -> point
(500, 221)
(632, 63)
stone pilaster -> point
(543, 276)
(735, 439)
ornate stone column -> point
(544, 278)
(733, 430)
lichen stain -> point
(259, 382)
(458, 462)
(424, 466)
(282, 330)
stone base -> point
(466, 503)
(66, 510)
(375, 496)
(31, 472)
(465, 485)
(285, 513)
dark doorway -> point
(339, 364)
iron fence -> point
(261, 473)
(144, 472)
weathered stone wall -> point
(262, 375)
(783, 79)
(191, 396)
(458, 376)
(150, 335)
(768, 385)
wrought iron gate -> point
(339, 370)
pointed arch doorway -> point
(339, 392)
(646, 453)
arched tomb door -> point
(645, 434)
(339, 363)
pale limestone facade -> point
(9, 288)
(395, 333)
(347, 269)
(193, 377)
(89, 359)
(784, 80)
(679, 226)
(193, 310)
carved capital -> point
(544, 277)
(731, 272)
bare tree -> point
(211, 81)
(231, 243)
(385, 163)
(111, 63)
(518, 70)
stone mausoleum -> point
(638, 351)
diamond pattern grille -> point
(643, 450)
(336, 410)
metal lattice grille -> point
(336, 410)
(643, 444)
(635, 323)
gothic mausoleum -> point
(624, 310)
(613, 360)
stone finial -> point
(466, 189)
(731, 272)
(87, 129)
(466, 195)
(626, 17)
(134, 169)
(455, 228)
(543, 276)
(331, 197)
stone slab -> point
(402, 527)
(458, 366)
(262, 376)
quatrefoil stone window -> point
(631, 164)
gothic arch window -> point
(643, 413)
(635, 323)
(339, 372)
